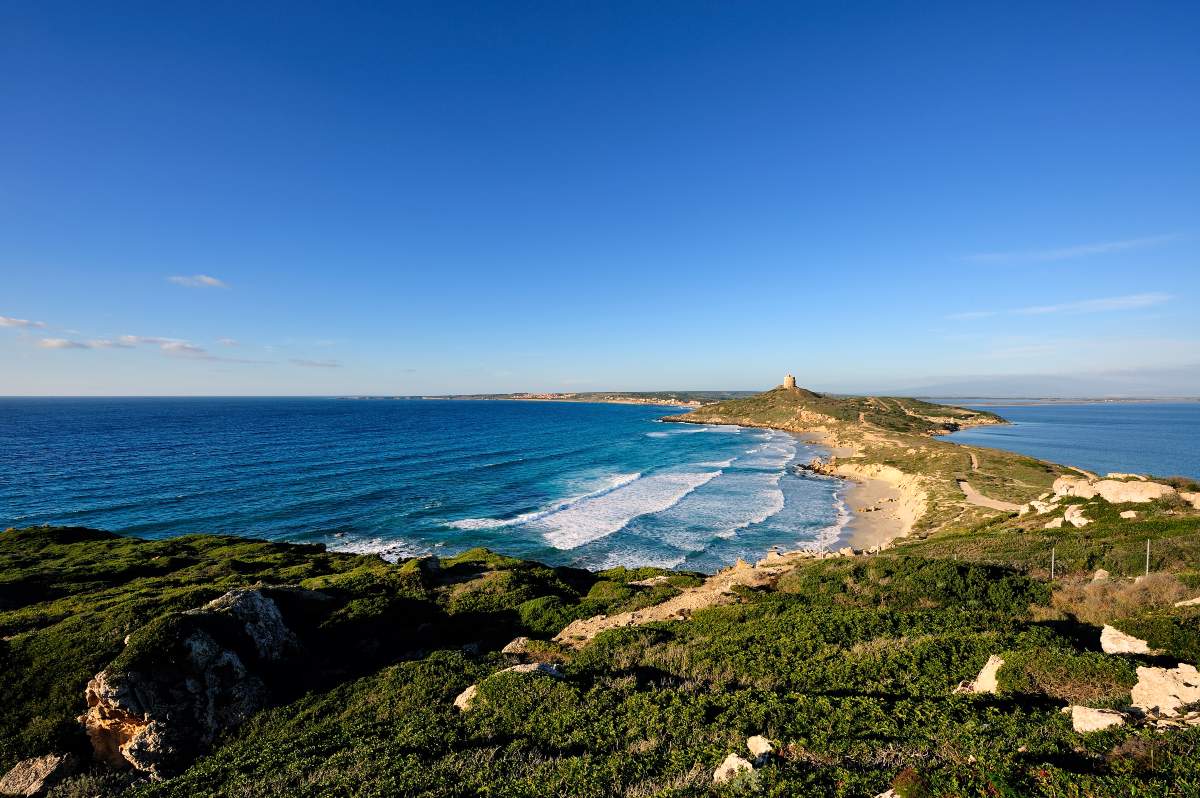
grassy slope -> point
(847, 664)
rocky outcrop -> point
(1129, 514)
(35, 776)
(1113, 491)
(730, 768)
(1114, 641)
(1192, 498)
(183, 679)
(1086, 719)
(1165, 691)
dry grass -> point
(1102, 602)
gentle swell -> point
(615, 482)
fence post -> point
(1053, 553)
(1147, 556)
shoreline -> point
(883, 503)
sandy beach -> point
(883, 502)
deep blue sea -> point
(594, 485)
(1140, 437)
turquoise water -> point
(585, 484)
(1147, 437)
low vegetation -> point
(849, 664)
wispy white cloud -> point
(972, 314)
(1102, 305)
(182, 348)
(1128, 302)
(1070, 253)
(9, 321)
(316, 364)
(61, 343)
(106, 343)
(227, 341)
(197, 281)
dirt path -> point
(974, 460)
(979, 500)
(717, 589)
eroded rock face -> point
(1165, 690)
(184, 678)
(35, 776)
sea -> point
(583, 484)
(1156, 438)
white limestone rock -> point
(1086, 719)
(1074, 516)
(986, 681)
(466, 699)
(730, 768)
(1114, 641)
(1112, 491)
(1165, 690)
(760, 748)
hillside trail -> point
(717, 589)
(979, 500)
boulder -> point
(35, 776)
(846, 551)
(1165, 690)
(731, 767)
(1192, 498)
(1129, 514)
(1055, 524)
(1188, 602)
(466, 698)
(1101, 575)
(516, 647)
(760, 748)
(1086, 719)
(183, 679)
(1114, 641)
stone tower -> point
(789, 382)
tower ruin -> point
(789, 382)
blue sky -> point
(440, 197)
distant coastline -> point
(689, 399)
